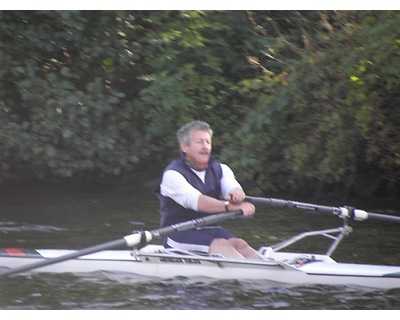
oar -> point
(130, 240)
(342, 212)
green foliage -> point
(64, 101)
(297, 99)
(328, 117)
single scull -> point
(287, 268)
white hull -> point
(153, 261)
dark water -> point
(76, 217)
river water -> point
(77, 217)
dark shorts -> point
(196, 239)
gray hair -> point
(185, 132)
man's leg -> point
(243, 248)
(224, 247)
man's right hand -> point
(247, 207)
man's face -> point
(199, 149)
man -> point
(191, 188)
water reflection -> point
(97, 291)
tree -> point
(296, 98)
(323, 120)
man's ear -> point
(183, 146)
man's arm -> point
(175, 186)
(210, 205)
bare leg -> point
(244, 249)
(224, 247)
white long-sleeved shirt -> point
(175, 186)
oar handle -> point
(342, 212)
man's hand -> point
(247, 207)
(236, 196)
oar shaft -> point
(281, 203)
(73, 255)
(343, 212)
(211, 219)
(383, 217)
(129, 240)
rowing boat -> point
(275, 264)
(156, 261)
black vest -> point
(172, 212)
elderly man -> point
(196, 185)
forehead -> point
(200, 134)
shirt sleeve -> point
(228, 181)
(176, 187)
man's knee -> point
(220, 242)
(238, 243)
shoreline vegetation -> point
(301, 102)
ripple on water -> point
(121, 291)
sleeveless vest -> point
(172, 212)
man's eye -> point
(203, 142)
